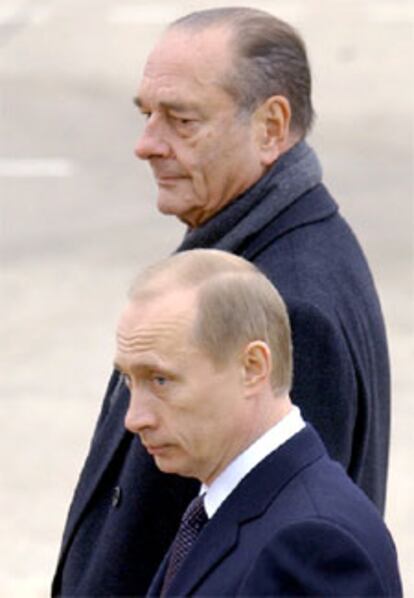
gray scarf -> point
(291, 176)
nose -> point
(152, 143)
(140, 415)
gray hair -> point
(270, 59)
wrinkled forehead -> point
(157, 321)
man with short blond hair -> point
(275, 516)
(226, 98)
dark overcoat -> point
(125, 513)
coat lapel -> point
(248, 501)
(156, 584)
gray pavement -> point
(78, 220)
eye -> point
(145, 114)
(182, 121)
(159, 380)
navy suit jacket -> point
(125, 512)
(294, 526)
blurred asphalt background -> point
(78, 220)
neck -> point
(265, 414)
(273, 411)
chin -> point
(169, 466)
(173, 206)
(165, 465)
(168, 207)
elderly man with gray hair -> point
(226, 98)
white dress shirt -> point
(229, 478)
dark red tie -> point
(191, 524)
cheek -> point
(202, 155)
(208, 175)
(195, 426)
(226, 161)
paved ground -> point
(77, 221)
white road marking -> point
(12, 14)
(8, 13)
(35, 168)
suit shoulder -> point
(321, 556)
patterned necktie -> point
(191, 524)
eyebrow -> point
(148, 366)
(176, 106)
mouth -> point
(167, 174)
(168, 181)
(156, 449)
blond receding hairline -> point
(236, 304)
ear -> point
(257, 366)
(273, 128)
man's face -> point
(203, 153)
(191, 417)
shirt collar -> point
(226, 482)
